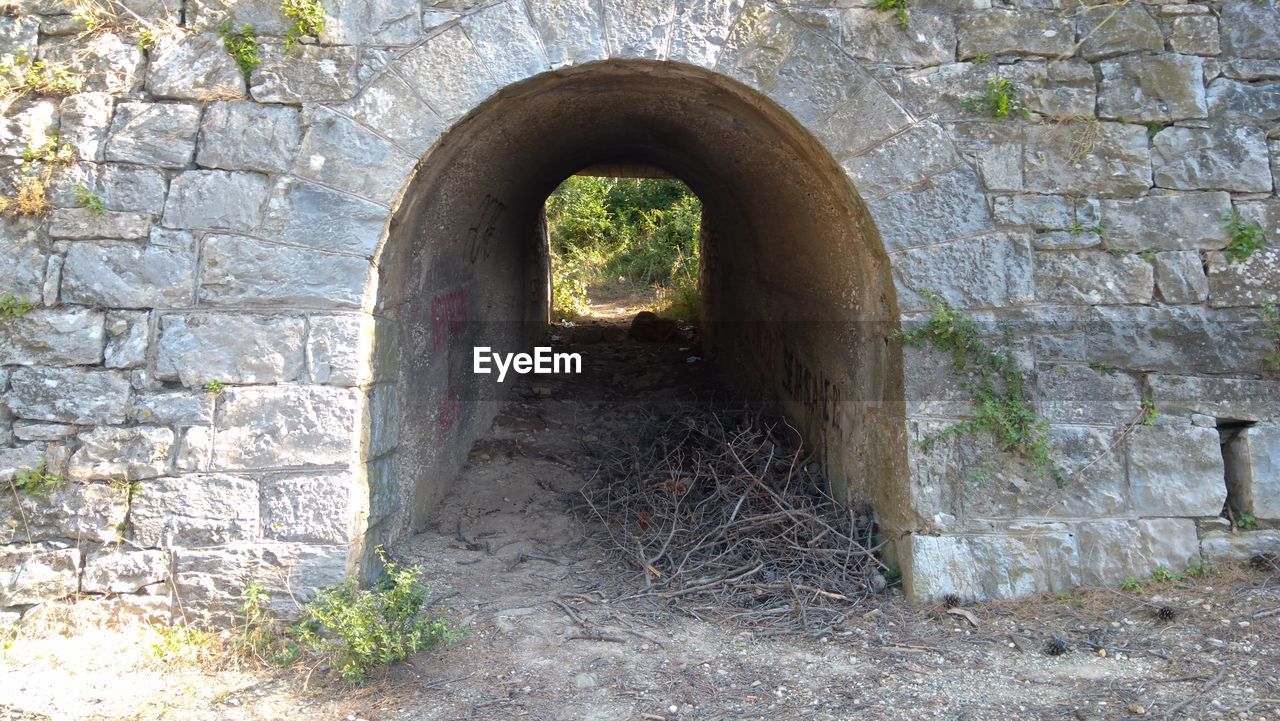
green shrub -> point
(1245, 238)
(37, 481)
(897, 7)
(242, 44)
(308, 19)
(13, 306)
(1000, 101)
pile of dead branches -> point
(723, 516)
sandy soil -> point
(546, 638)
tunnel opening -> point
(796, 296)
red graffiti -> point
(448, 316)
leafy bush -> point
(241, 44)
(1000, 101)
(1246, 238)
(37, 481)
(308, 19)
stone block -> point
(193, 511)
(1219, 546)
(248, 136)
(1193, 34)
(338, 349)
(308, 73)
(130, 188)
(572, 31)
(107, 62)
(1107, 30)
(1092, 277)
(1175, 339)
(1251, 69)
(76, 512)
(1152, 88)
(1000, 31)
(1041, 212)
(1253, 470)
(757, 45)
(244, 271)
(815, 79)
(944, 206)
(1250, 30)
(1176, 470)
(215, 199)
(195, 451)
(310, 508)
(1233, 398)
(1167, 221)
(638, 28)
(53, 337)
(194, 67)
(876, 36)
(1111, 550)
(1237, 101)
(127, 453)
(699, 30)
(68, 395)
(83, 223)
(19, 35)
(128, 338)
(208, 581)
(172, 408)
(35, 574)
(314, 216)
(22, 257)
(902, 161)
(161, 134)
(1117, 163)
(263, 15)
(1223, 157)
(288, 426)
(160, 274)
(989, 270)
(1080, 394)
(448, 73)
(1250, 282)
(342, 153)
(1001, 566)
(388, 106)
(864, 121)
(37, 431)
(84, 119)
(124, 571)
(371, 22)
(1180, 277)
(198, 348)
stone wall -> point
(244, 221)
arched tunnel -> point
(797, 299)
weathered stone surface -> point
(106, 61)
(1066, 240)
(83, 122)
(263, 15)
(1174, 339)
(200, 347)
(572, 31)
(1193, 34)
(448, 73)
(1176, 470)
(865, 120)
(22, 260)
(391, 108)
(341, 153)
(33, 574)
(123, 571)
(1117, 161)
(244, 271)
(1250, 30)
(1253, 470)
(191, 511)
(876, 36)
(130, 188)
(52, 337)
(1111, 550)
(1219, 546)
(68, 395)
(990, 566)
(13, 460)
(1167, 221)
(37, 431)
(1080, 394)
(315, 216)
(18, 35)
(371, 22)
(172, 408)
(248, 136)
(990, 270)
(1239, 399)
(1251, 69)
(1057, 89)
(699, 30)
(1042, 212)
(1249, 282)
(287, 426)
(1018, 31)
(638, 28)
(1244, 102)
(308, 73)
(1180, 277)
(215, 199)
(946, 205)
(162, 134)
(903, 161)
(194, 67)
(758, 43)
(1093, 277)
(816, 79)
(1224, 157)
(311, 508)
(28, 124)
(338, 348)
(208, 582)
(160, 274)
(83, 223)
(1156, 88)
(80, 512)
(1108, 30)
(129, 453)
(128, 336)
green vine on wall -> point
(992, 379)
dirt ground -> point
(547, 639)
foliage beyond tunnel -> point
(613, 237)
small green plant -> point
(1119, 252)
(994, 382)
(1270, 311)
(21, 76)
(358, 630)
(308, 19)
(86, 198)
(1199, 569)
(897, 7)
(1104, 368)
(981, 58)
(242, 44)
(1148, 255)
(37, 481)
(146, 39)
(999, 101)
(1246, 522)
(1149, 412)
(1162, 574)
(14, 306)
(1131, 585)
(1154, 128)
(215, 387)
(1246, 238)
(184, 644)
(49, 152)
